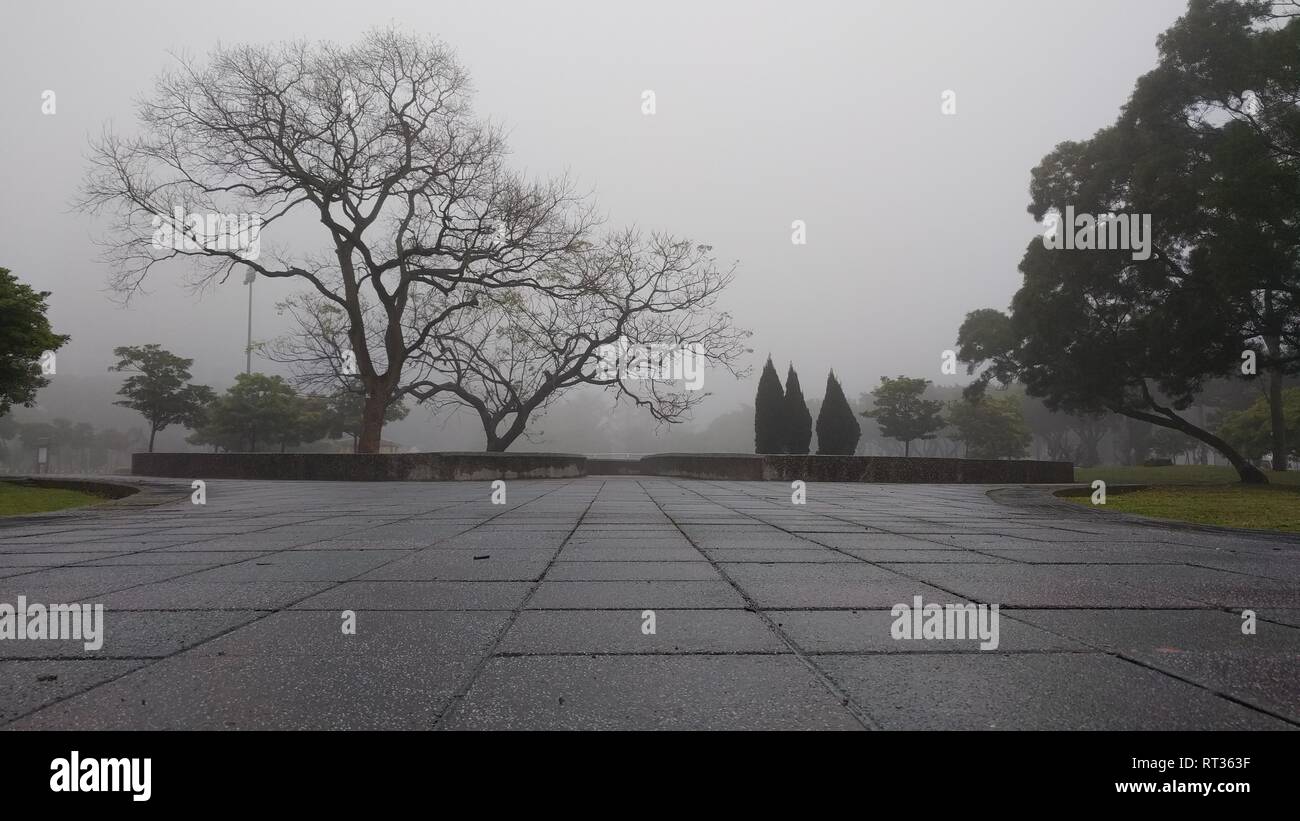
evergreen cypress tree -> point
(837, 429)
(769, 412)
(798, 421)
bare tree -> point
(640, 297)
(517, 350)
(372, 147)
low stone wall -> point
(722, 466)
(360, 467)
(442, 467)
(613, 467)
(858, 469)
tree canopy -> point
(798, 421)
(903, 413)
(25, 335)
(158, 387)
(837, 429)
(1208, 145)
(769, 412)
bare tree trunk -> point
(372, 422)
(1275, 409)
(498, 443)
(153, 431)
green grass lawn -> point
(1175, 475)
(1201, 494)
(16, 500)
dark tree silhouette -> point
(24, 336)
(837, 429)
(798, 421)
(769, 412)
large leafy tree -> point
(990, 427)
(25, 334)
(798, 421)
(837, 429)
(769, 412)
(902, 411)
(1250, 430)
(260, 410)
(1223, 110)
(159, 388)
(1209, 147)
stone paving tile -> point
(1094, 553)
(347, 545)
(71, 584)
(1205, 646)
(977, 540)
(649, 692)
(27, 685)
(483, 564)
(138, 634)
(887, 558)
(384, 692)
(189, 595)
(869, 631)
(1251, 565)
(1264, 679)
(993, 691)
(419, 595)
(874, 541)
(795, 586)
(1170, 630)
(1216, 587)
(633, 571)
(766, 616)
(378, 633)
(550, 632)
(632, 553)
(799, 555)
(1043, 586)
(1281, 615)
(488, 542)
(300, 566)
(14, 563)
(565, 595)
(175, 557)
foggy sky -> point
(766, 113)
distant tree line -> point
(71, 447)
(257, 413)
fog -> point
(766, 113)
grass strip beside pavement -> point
(18, 500)
(1175, 475)
(1258, 507)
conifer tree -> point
(837, 429)
(769, 412)
(798, 421)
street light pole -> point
(248, 347)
